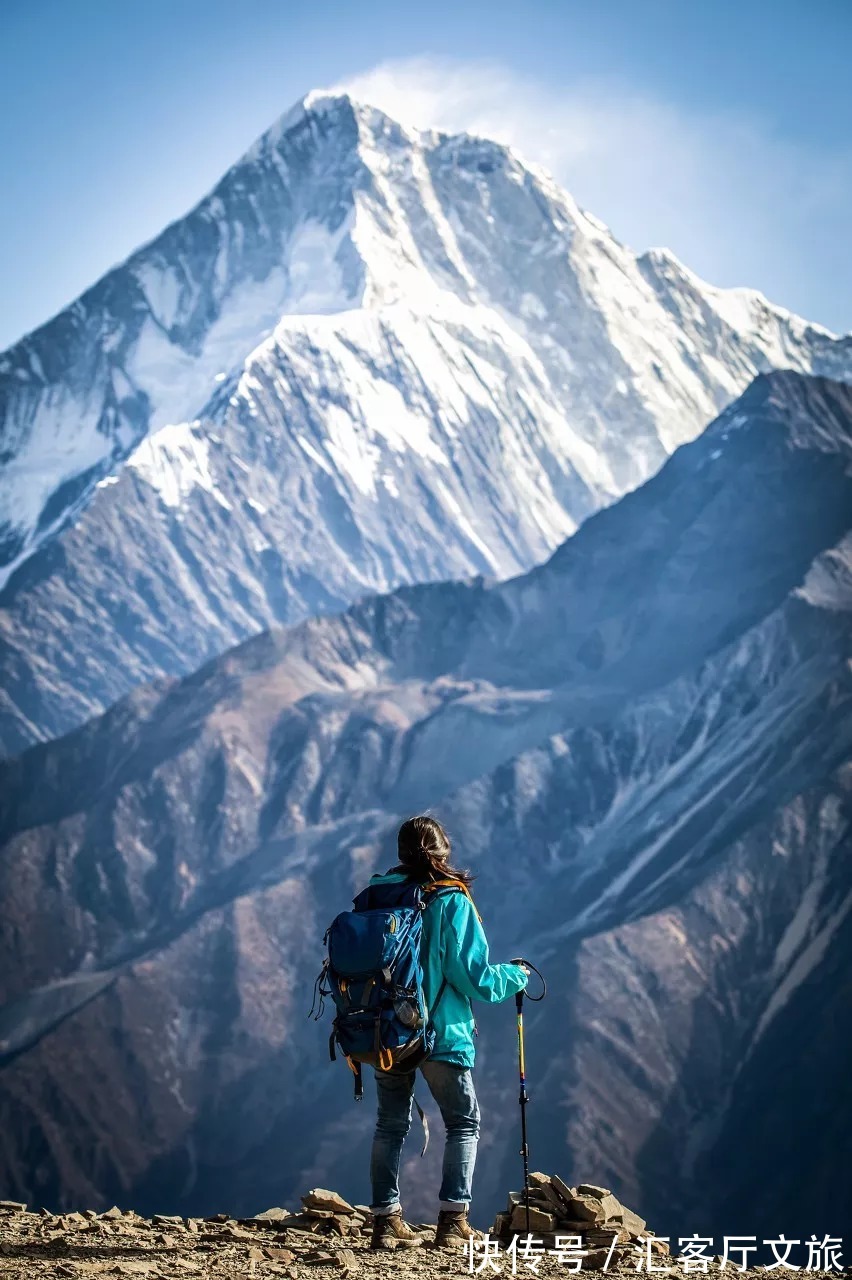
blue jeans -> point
(452, 1089)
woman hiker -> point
(456, 970)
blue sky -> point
(722, 130)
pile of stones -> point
(323, 1213)
(593, 1213)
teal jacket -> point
(454, 947)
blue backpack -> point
(374, 976)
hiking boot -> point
(453, 1229)
(391, 1231)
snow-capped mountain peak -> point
(393, 354)
(336, 208)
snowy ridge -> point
(337, 207)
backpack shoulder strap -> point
(436, 889)
(440, 887)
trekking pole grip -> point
(529, 967)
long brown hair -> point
(423, 848)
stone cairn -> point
(590, 1212)
(323, 1213)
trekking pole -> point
(523, 1096)
(523, 1099)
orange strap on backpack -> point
(453, 884)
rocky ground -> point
(327, 1238)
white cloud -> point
(738, 203)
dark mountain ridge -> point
(644, 747)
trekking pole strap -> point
(535, 999)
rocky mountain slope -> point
(369, 357)
(643, 745)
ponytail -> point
(424, 851)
